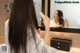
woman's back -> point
(32, 47)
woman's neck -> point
(56, 20)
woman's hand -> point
(46, 20)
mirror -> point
(70, 9)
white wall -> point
(71, 12)
(38, 7)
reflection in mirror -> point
(71, 13)
(59, 20)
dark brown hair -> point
(22, 13)
(61, 20)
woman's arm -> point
(46, 22)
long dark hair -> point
(61, 20)
(34, 18)
(20, 20)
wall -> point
(38, 7)
(2, 17)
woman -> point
(58, 20)
(20, 33)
